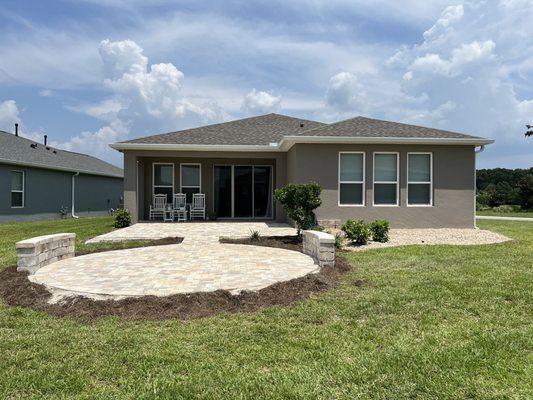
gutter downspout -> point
(476, 152)
(73, 195)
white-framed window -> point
(386, 179)
(419, 179)
(351, 179)
(163, 180)
(17, 189)
(190, 179)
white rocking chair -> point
(179, 206)
(158, 208)
(198, 205)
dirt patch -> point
(17, 290)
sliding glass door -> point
(222, 193)
(262, 192)
(243, 191)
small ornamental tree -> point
(299, 201)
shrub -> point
(254, 236)
(339, 241)
(122, 218)
(380, 230)
(299, 201)
(357, 232)
(506, 208)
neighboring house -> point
(409, 175)
(40, 182)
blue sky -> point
(92, 72)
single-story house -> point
(38, 181)
(410, 175)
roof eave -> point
(64, 169)
(192, 147)
(288, 141)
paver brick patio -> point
(199, 263)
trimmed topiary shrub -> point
(357, 232)
(299, 201)
(380, 230)
(122, 218)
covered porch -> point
(237, 186)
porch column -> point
(130, 185)
(281, 180)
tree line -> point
(499, 186)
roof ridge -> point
(225, 123)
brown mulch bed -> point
(17, 290)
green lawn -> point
(441, 322)
(523, 214)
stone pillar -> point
(39, 251)
(320, 246)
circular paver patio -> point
(178, 268)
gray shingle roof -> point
(371, 128)
(261, 130)
(19, 150)
(271, 128)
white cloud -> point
(449, 16)
(9, 115)
(345, 92)
(260, 102)
(461, 56)
(144, 100)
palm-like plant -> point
(529, 131)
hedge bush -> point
(122, 218)
(380, 230)
(357, 232)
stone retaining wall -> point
(39, 251)
(320, 246)
(330, 223)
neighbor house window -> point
(351, 179)
(164, 180)
(419, 179)
(17, 189)
(386, 179)
(190, 180)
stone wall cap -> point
(322, 236)
(35, 241)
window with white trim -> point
(386, 179)
(17, 189)
(351, 179)
(190, 180)
(164, 180)
(419, 179)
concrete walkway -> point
(522, 219)
(199, 264)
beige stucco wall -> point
(453, 180)
(453, 184)
(145, 160)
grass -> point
(441, 322)
(85, 228)
(522, 214)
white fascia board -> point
(191, 147)
(54, 168)
(288, 141)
